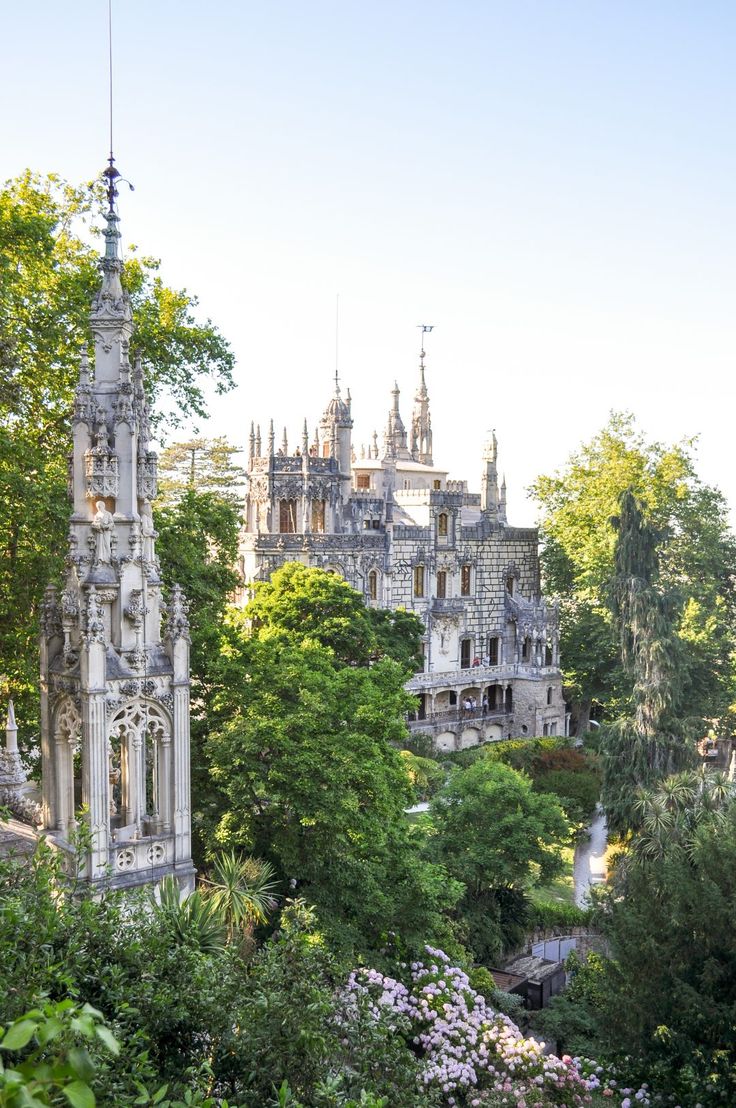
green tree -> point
(197, 546)
(654, 742)
(48, 273)
(242, 891)
(670, 994)
(305, 758)
(697, 557)
(498, 837)
(311, 604)
(199, 465)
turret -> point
(489, 498)
(394, 438)
(421, 421)
(335, 435)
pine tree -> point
(654, 742)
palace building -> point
(404, 534)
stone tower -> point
(114, 691)
(489, 496)
(421, 422)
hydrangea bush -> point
(477, 1057)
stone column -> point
(182, 807)
(95, 778)
(164, 782)
(64, 781)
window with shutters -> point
(419, 580)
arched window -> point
(373, 585)
(442, 524)
(548, 654)
(287, 517)
(419, 580)
(318, 515)
(549, 695)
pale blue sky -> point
(550, 184)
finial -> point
(305, 440)
(285, 443)
(271, 439)
(337, 384)
(258, 441)
(11, 731)
(375, 444)
(425, 329)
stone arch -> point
(471, 736)
(493, 733)
(139, 737)
(445, 742)
(67, 732)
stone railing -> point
(457, 715)
(475, 676)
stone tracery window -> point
(140, 736)
(318, 515)
(287, 516)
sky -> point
(550, 184)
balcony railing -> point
(457, 715)
(474, 676)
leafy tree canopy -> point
(306, 761)
(697, 557)
(48, 274)
(312, 604)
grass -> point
(562, 889)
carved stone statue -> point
(102, 525)
(148, 533)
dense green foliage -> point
(48, 273)
(697, 557)
(496, 836)
(654, 742)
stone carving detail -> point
(101, 469)
(102, 526)
(68, 722)
(125, 859)
(147, 475)
(136, 610)
(156, 854)
(177, 623)
(50, 615)
(95, 621)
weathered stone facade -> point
(114, 691)
(405, 536)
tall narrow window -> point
(441, 584)
(510, 584)
(549, 696)
(442, 525)
(287, 517)
(526, 649)
(437, 485)
(419, 580)
(325, 450)
(466, 649)
(318, 515)
(465, 580)
(373, 585)
(548, 654)
(493, 650)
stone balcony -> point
(437, 720)
(475, 676)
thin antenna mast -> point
(425, 328)
(337, 334)
(109, 45)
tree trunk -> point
(582, 711)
